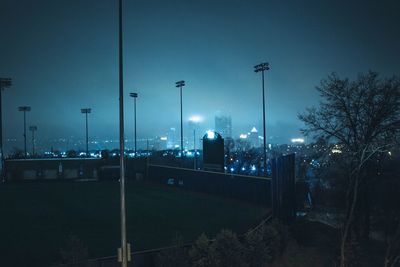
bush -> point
(257, 250)
(265, 243)
(261, 246)
(202, 254)
(229, 252)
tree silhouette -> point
(362, 118)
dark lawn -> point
(36, 218)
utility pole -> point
(180, 84)
(263, 67)
(33, 129)
(134, 95)
(124, 251)
(194, 149)
(86, 111)
(194, 121)
(25, 109)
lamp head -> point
(24, 108)
(86, 110)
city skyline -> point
(61, 57)
(78, 142)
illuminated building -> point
(253, 138)
(223, 125)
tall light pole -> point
(134, 95)
(4, 83)
(194, 121)
(180, 84)
(86, 111)
(33, 129)
(263, 67)
(124, 250)
(25, 109)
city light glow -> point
(297, 140)
(210, 134)
(195, 118)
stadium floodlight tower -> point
(262, 68)
(86, 111)
(180, 84)
(25, 109)
(134, 95)
(195, 120)
(33, 129)
(4, 83)
(124, 251)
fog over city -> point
(62, 56)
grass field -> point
(37, 218)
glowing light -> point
(243, 136)
(253, 168)
(232, 169)
(297, 140)
(254, 130)
(163, 138)
(195, 118)
(336, 149)
(210, 134)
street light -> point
(86, 111)
(134, 95)
(124, 251)
(4, 83)
(33, 129)
(195, 120)
(25, 109)
(263, 67)
(180, 84)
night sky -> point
(62, 56)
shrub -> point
(265, 243)
(257, 250)
(202, 254)
(229, 252)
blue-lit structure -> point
(213, 151)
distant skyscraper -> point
(253, 137)
(171, 137)
(223, 126)
(160, 143)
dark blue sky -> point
(62, 56)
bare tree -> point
(362, 118)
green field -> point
(37, 218)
